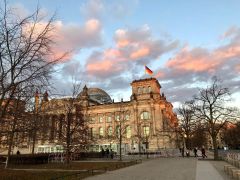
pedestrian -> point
(183, 152)
(102, 152)
(203, 152)
(195, 152)
(111, 153)
(107, 152)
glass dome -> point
(98, 95)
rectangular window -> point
(92, 120)
(109, 119)
(101, 132)
(100, 119)
(146, 131)
(117, 118)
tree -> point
(231, 135)
(74, 129)
(187, 123)
(121, 127)
(199, 136)
(26, 62)
(26, 56)
(14, 126)
(209, 107)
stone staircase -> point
(233, 168)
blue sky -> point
(185, 43)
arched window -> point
(128, 131)
(144, 90)
(145, 115)
(101, 132)
(110, 131)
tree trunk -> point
(139, 148)
(68, 138)
(10, 143)
(215, 148)
(120, 143)
(34, 135)
(34, 140)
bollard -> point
(232, 170)
(226, 167)
(238, 175)
(235, 173)
(229, 171)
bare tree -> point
(231, 135)
(209, 107)
(26, 57)
(186, 123)
(74, 133)
(121, 127)
(14, 125)
(26, 63)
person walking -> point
(195, 152)
(102, 152)
(203, 152)
(183, 152)
(107, 152)
(111, 153)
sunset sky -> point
(184, 43)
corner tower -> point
(145, 89)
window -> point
(100, 119)
(92, 120)
(93, 132)
(149, 89)
(145, 115)
(139, 90)
(109, 119)
(127, 117)
(117, 118)
(146, 131)
(118, 131)
(128, 130)
(110, 131)
(144, 90)
(101, 132)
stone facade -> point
(146, 122)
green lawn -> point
(38, 175)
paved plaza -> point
(176, 168)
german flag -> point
(148, 71)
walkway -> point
(168, 169)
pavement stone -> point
(176, 168)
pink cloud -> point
(196, 60)
(202, 60)
(69, 39)
(74, 37)
(237, 68)
(131, 46)
(142, 52)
